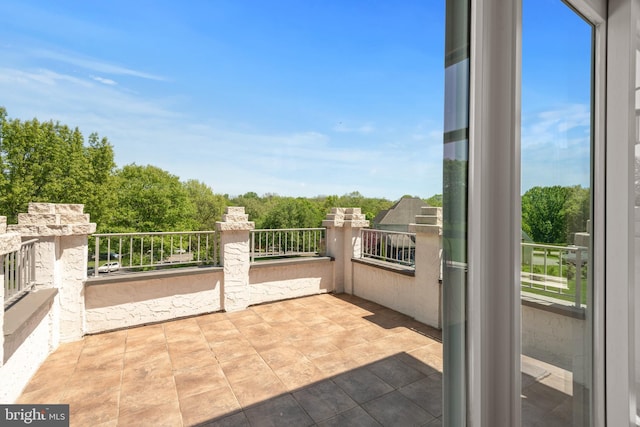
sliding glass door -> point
(556, 250)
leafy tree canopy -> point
(554, 214)
(50, 162)
(150, 199)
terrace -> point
(337, 336)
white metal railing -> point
(552, 269)
(19, 272)
(129, 252)
(286, 242)
(390, 246)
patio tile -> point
(244, 318)
(275, 316)
(345, 339)
(193, 359)
(212, 334)
(244, 367)
(151, 344)
(141, 364)
(52, 395)
(326, 359)
(356, 417)
(104, 378)
(335, 363)
(394, 409)
(256, 330)
(543, 397)
(278, 357)
(280, 411)
(163, 415)
(426, 393)
(91, 410)
(138, 395)
(315, 347)
(294, 330)
(105, 339)
(434, 423)
(428, 356)
(66, 353)
(50, 375)
(175, 326)
(418, 365)
(195, 381)
(395, 373)
(238, 419)
(324, 400)
(299, 374)
(232, 349)
(362, 385)
(269, 341)
(109, 348)
(208, 406)
(253, 390)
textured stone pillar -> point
(61, 257)
(9, 242)
(428, 258)
(235, 250)
(344, 243)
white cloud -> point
(365, 128)
(556, 147)
(161, 132)
(93, 64)
(104, 81)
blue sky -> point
(287, 97)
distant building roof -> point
(402, 213)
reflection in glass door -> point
(556, 272)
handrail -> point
(19, 272)
(554, 270)
(153, 250)
(396, 247)
(287, 242)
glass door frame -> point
(494, 224)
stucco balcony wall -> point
(123, 301)
(285, 279)
(552, 333)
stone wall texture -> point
(116, 305)
(291, 280)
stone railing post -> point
(61, 257)
(428, 257)
(344, 243)
(9, 242)
(235, 247)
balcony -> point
(326, 338)
(326, 359)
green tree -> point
(543, 214)
(150, 199)
(577, 209)
(294, 213)
(207, 207)
(435, 200)
(49, 162)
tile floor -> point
(326, 360)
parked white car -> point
(109, 267)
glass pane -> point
(557, 311)
(636, 341)
(455, 175)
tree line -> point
(554, 214)
(50, 162)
